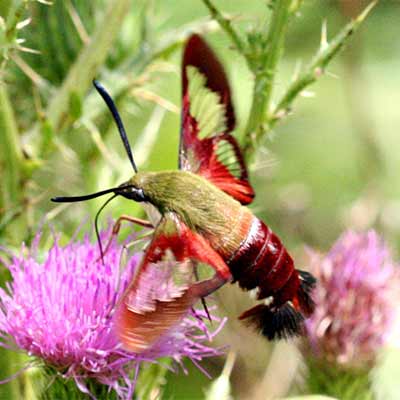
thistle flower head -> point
(58, 307)
(356, 299)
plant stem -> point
(12, 158)
(264, 76)
(226, 25)
(261, 118)
(11, 161)
(316, 67)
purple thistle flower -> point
(356, 297)
(59, 307)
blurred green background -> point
(331, 164)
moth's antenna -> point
(96, 226)
(72, 199)
(111, 105)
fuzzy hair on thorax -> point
(201, 205)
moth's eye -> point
(140, 195)
(135, 194)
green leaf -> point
(75, 105)
(85, 67)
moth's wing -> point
(206, 144)
(164, 289)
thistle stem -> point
(317, 67)
(12, 163)
(12, 158)
(226, 25)
(263, 117)
(264, 76)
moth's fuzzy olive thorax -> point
(161, 188)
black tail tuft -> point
(275, 323)
(304, 294)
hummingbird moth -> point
(204, 220)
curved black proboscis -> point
(71, 199)
(112, 107)
(96, 226)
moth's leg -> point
(133, 220)
(117, 227)
(204, 288)
(203, 300)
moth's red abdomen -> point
(243, 260)
(263, 263)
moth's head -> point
(131, 190)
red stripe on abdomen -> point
(262, 261)
(242, 260)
